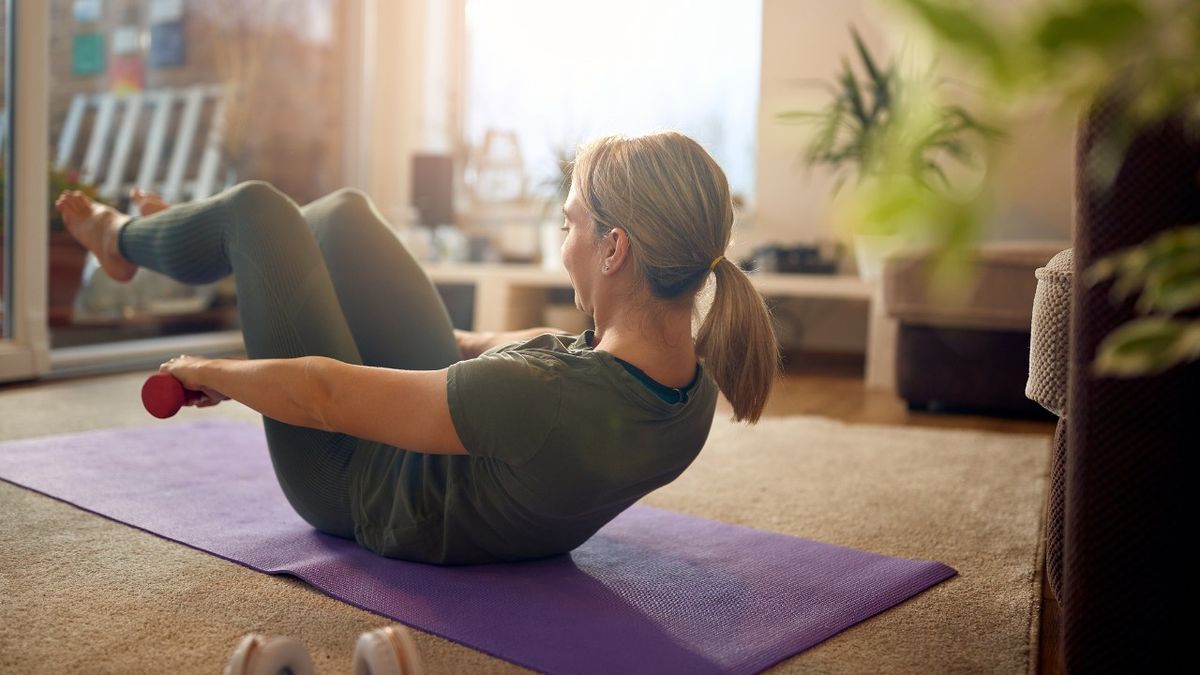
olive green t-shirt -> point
(561, 438)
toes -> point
(141, 196)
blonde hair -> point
(673, 200)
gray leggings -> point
(329, 279)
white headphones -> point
(384, 651)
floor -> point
(832, 386)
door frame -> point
(25, 353)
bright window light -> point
(558, 72)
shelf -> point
(511, 297)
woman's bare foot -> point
(148, 203)
(96, 226)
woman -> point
(388, 427)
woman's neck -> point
(661, 346)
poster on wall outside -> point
(87, 10)
(126, 40)
(87, 54)
(167, 45)
(126, 75)
(165, 11)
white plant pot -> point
(870, 250)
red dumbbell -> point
(163, 395)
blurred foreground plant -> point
(1076, 52)
(1165, 273)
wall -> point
(806, 40)
(393, 100)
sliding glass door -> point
(183, 98)
(5, 236)
(24, 344)
(179, 97)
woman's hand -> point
(472, 344)
(188, 370)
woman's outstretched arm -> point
(405, 408)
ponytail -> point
(673, 201)
(738, 343)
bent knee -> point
(348, 215)
(353, 205)
(256, 192)
(351, 196)
(262, 209)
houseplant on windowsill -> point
(558, 186)
(891, 135)
(66, 257)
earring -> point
(605, 267)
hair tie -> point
(716, 260)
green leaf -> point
(956, 148)
(1093, 25)
(800, 115)
(1176, 298)
(1165, 268)
(853, 95)
(865, 55)
(1128, 266)
(1142, 347)
(968, 122)
(964, 29)
(1173, 286)
(880, 80)
(885, 90)
(936, 170)
(1102, 269)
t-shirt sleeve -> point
(504, 405)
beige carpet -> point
(79, 593)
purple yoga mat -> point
(654, 591)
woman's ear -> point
(616, 249)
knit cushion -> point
(1050, 334)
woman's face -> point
(580, 251)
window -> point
(183, 98)
(551, 74)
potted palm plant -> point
(879, 127)
(557, 185)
